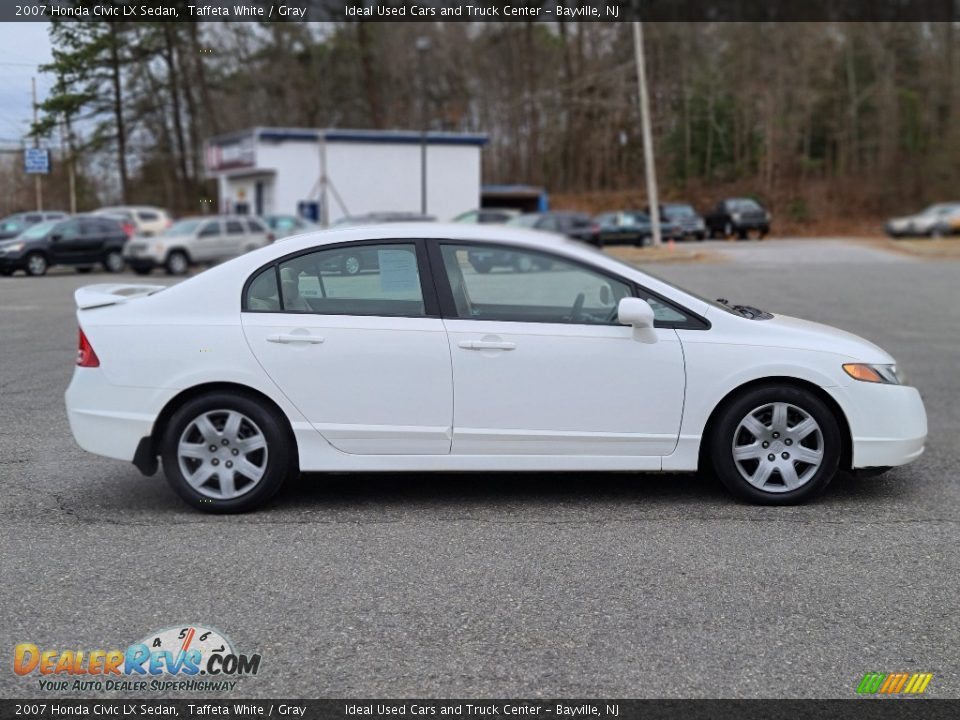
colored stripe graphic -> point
(894, 683)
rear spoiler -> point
(92, 296)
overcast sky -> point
(23, 46)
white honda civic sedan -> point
(383, 349)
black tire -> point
(177, 263)
(721, 443)
(113, 261)
(141, 270)
(6, 272)
(36, 264)
(280, 457)
(700, 236)
(84, 270)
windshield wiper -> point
(747, 311)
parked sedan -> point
(630, 227)
(936, 221)
(196, 241)
(682, 222)
(270, 365)
(576, 225)
(82, 241)
(738, 217)
(13, 225)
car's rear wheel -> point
(225, 453)
(6, 272)
(113, 262)
(776, 445)
(177, 263)
(36, 264)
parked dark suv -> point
(81, 241)
(737, 217)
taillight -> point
(86, 357)
(271, 237)
(129, 229)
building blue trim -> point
(402, 137)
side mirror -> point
(56, 237)
(636, 312)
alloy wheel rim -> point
(222, 454)
(114, 262)
(778, 447)
(352, 265)
(178, 264)
(37, 264)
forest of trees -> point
(819, 119)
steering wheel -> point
(577, 310)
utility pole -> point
(651, 168)
(37, 182)
(423, 45)
(66, 152)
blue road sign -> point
(36, 161)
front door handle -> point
(487, 345)
(292, 338)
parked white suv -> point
(196, 241)
(145, 219)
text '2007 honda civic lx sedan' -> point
(283, 360)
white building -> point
(332, 173)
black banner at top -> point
(480, 10)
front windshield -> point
(678, 211)
(744, 206)
(939, 209)
(39, 230)
(527, 221)
(184, 227)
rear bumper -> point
(110, 420)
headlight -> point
(884, 374)
(16, 247)
(736, 217)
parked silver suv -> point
(196, 241)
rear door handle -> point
(292, 338)
(487, 345)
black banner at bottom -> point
(854, 709)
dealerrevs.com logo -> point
(189, 658)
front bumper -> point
(12, 262)
(888, 423)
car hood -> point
(786, 331)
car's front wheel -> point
(776, 445)
(177, 263)
(226, 453)
(37, 264)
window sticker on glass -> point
(398, 272)
(309, 286)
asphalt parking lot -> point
(573, 585)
